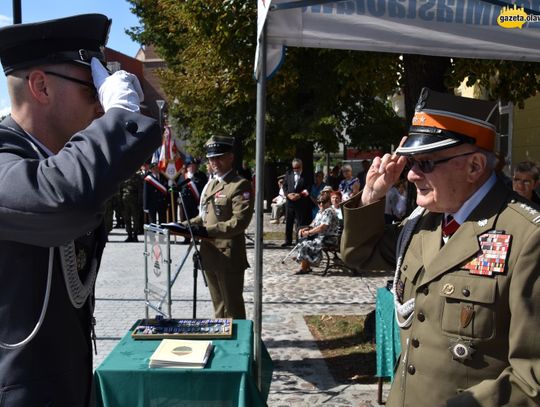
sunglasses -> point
(89, 85)
(427, 166)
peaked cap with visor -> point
(73, 39)
(219, 145)
(443, 121)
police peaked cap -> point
(73, 39)
(219, 145)
(443, 121)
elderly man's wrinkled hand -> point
(382, 175)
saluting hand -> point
(121, 89)
(381, 176)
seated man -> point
(323, 230)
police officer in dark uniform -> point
(466, 287)
(155, 195)
(192, 184)
(74, 134)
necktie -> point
(449, 226)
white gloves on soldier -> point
(121, 89)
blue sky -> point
(38, 10)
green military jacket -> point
(497, 317)
(227, 208)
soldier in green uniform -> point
(130, 192)
(225, 212)
(466, 261)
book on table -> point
(181, 353)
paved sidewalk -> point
(300, 376)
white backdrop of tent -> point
(453, 28)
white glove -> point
(121, 89)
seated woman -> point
(323, 230)
(335, 198)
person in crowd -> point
(323, 230)
(315, 191)
(191, 185)
(335, 198)
(350, 185)
(131, 190)
(466, 286)
(526, 179)
(278, 204)
(362, 174)
(245, 171)
(396, 203)
(74, 134)
(298, 207)
(226, 211)
(334, 178)
(155, 195)
(500, 170)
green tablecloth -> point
(124, 378)
(386, 334)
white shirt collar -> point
(463, 213)
(220, 178)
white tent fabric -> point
(458, 28)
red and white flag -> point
(170, 153)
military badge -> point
(461, 350)
(491, 259)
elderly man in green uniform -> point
(225, 212)
(466, 262)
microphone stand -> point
(197, 264)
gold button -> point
(448, 289)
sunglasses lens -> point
(426, 166)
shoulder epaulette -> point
(526, 209)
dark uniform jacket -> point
(190, 197)
(48, 202)
(497, 317)
(154, 199)
(303, 184)
(228, 206)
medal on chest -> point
(494, 247)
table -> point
(124, 378)
(386, 336)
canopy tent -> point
(489, 29)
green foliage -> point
(316, 97)
(209, 48)
(511, 81)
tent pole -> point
(259, 188)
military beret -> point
(219, 145)
(443, 120)
(73, 39)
